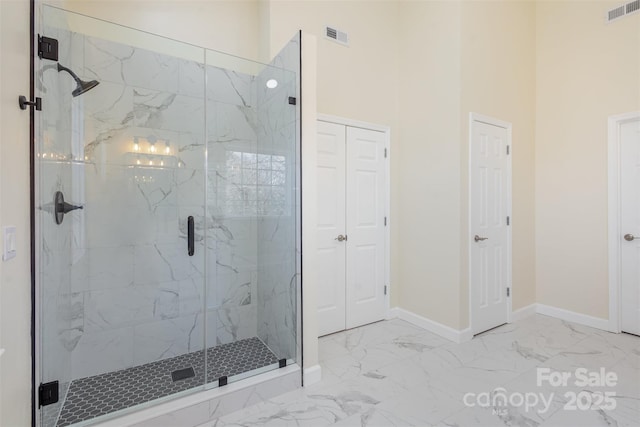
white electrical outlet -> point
(9, 242)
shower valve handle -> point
(67, 207)
(60, 207)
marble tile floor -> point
(392, 373)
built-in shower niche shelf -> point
(152, 161)
(56, 158)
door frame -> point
(476, 117)
(387, 203)
(615, 282)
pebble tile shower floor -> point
(102, 394)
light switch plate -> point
(9, 242)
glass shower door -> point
(121, 177)
(252, 277)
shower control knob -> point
(61, 207)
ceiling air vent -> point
(338, 36)
(623, 10)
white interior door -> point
(330, 252)
(490, 246)
(365, 226)
(630, 226)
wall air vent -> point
(338, 36)
(623, 10)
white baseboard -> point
(523, 312)
(572, 316)
(312, 374)
(455, 335)
(460, 336)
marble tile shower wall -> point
(129, 294)
(60, 323)
(277, 229)
(231, 228)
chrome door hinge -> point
(507, 150)
(508, 221)
(385, 153)
(385, 289)
(508, 292)
(385, 221)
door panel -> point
(330, 252)
(488, 212)
(630, 224)
(365, 226)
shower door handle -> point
(190, 247)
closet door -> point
(330, 252)
(365, 226)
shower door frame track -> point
(32, 216)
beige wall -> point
(587, 70)
(498, 51)
(358, 82)
(427, 177)
(15, 284)
(230, 26)
(309, 208)
(1, 117)
(457, 58)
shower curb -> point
(204, 406)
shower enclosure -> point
(167, 192)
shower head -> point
(82, 85)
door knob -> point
(341, 238)
(629, 237)
(478, 238)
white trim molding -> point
(353, 123)
(312, 375)
(464, 335)
(614, 215)
(455, 335)
(572, 316)
(475, 117)
(523, 312)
